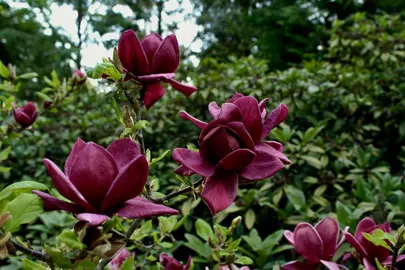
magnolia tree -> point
(108, 192)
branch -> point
(36, 254)
(179, 192)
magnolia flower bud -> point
(78, 77)
(25, 115)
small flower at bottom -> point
(78, 77)
(233, 267)
(317, 245)
(115, 263)
(25, 115)
(170, 263)
(101, 182)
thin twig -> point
(36, 254)
(177, 193)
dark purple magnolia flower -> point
(47, 104)
(102, 182)
(25, 115)
(316, 245)
(78, 77)
(115, 263)
(231, 149)
(233, 267)
(152, 61)
(170, 263)
(366, 250)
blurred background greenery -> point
(339, 65)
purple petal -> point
(30, 110)
(243, 134)
(217, 145)
(186, 90)
(182, 170)
(297, 265)
(124, 151)
(220, 191)
(234, 98)
(153, 78)
(188, 264)
(368, 265)
(128, 184)
(150, 44)
(230, 112)
(214, 109)
(290, 236)
(330, 265)
(355, 244)
(170, 263)
(308, 243)
(193, 161)
(153, 94)
(65, 186)
(277, 116)
(364, 225)
(74, 153)
(271, 151)
(92, 219)
(131, 54)
(236, 160)
(94, 170)
(264, 165)
(192, 119)
(211, 125)
(328, 230)
(252, 119)
(262, 107)
(119, 259)
(51, 203)
(142, 208)
(167, 56)
(276, 145)
(21, 118)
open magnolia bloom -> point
(170, 263)
(152, 61)
(231, 150)
(101, 182)
(316, 245)
(365, 249)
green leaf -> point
(4, 72)
(107, 68)
(343, 214)
(58, 257)
(30, 265)
(118, 112)
(154, 160)
(128, 264)
(70, 238)
(253, 240)
(166, 224)
(197, 245)
(55, 79)
(28, 75)
(250, 218)
(4, 169)
(272, 240)
(25, 208)
(5, 153)
(44, 97)
(314, 162)
(15, 189)
(204, 230)
(296, 197)
(244, 260)
(192, 148)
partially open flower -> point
(78, 77)
(365, 249)
(102, 182)
(231, 150)
(25, 115)
(170, 263)
(316, 245)
(152, 61)
(233, 267)
(115, 263)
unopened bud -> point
(78, 77)
(47, 104)
(235, 223)
(211, 243)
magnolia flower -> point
(78, 77)
(233, 267)
(25, 115)
(231, 150)
(115, 263)
(102, 182)
(170, 263)
(152, 61)
(316, 245)
(366, 250)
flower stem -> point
(36, 254)
(179, 192)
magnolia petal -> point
(211, 125)
(124, 151)
(153, 94)
(264, 165)
(368, 265)
(92, 219)
(214, 109)
(355, 244)
(193, 161)
(252, 119)
(142, 208)
(150, 44)
(328, 230)
(153, 78)
(289, 235)
(188, 264)
(364, 225)
(308, 243)
(217, 145)
(330, 265)
(128, 184)
(65, 186)
(277, 116)
(94, 170)
(276, 145)
(51, 203)
(74, 153)
(21, 118)
(230, 112)
(297, 265)
(234, 98)
(182, 170)
(192, 119)
(236, 160)
(220, 191)
(271, 151)
(262, 107)
(30, 110)
(170, 263)
(185, 89)
(167, 56)
(243, 134)
(131, 54)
